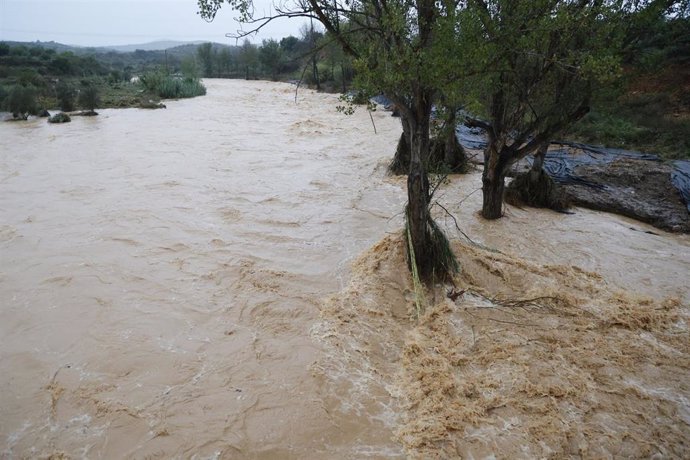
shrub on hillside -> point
(3, 95)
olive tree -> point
(65, 96)
(547, 58)
(89, 98)
(271, 57)
(205, 54)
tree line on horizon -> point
(34, 78)
(312, 57)
(38, 77)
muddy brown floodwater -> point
(225, 279)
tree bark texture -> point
(454, 154)
(418, 184)
(418, 206)
(538, 163)
(493, 182)
(401, 160)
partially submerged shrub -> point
(169, 87)
(174, 88)
(536, 189)
(59, 118)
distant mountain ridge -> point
(159, 45)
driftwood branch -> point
(300, 80)
(372, 121)
(476, 123)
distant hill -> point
(59, 47)
(191, 49)
(160, 45)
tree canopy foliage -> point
(89, 97)
(546, 58)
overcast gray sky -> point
(122, 22)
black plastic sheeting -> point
(681, 179)
(382, 100)
(561, 163)
(471, 138)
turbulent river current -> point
(223, 279)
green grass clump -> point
(169, 87)
(648, 122)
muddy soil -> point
(639, 189)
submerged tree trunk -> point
(454, 154)
(418, 196)
(535, 187)
(401, 160)
(493, 182)
(431, 251)
(445, 155)
(315, 72)
(538, 163)
(492, 188)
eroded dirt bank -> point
(628, 183)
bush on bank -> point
(171, 87)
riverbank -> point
(642, 186)
(632, 184)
